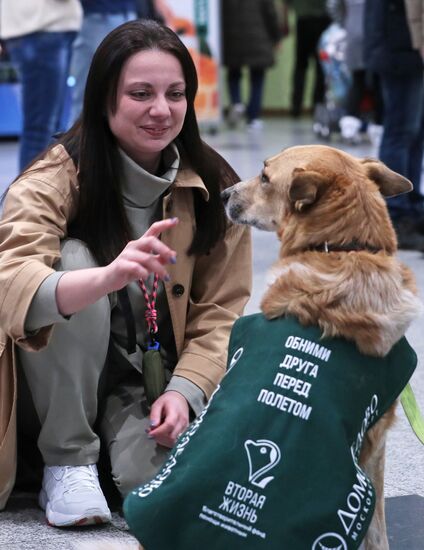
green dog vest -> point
(272, 462)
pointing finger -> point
(158, 227)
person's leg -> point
(233, 79)
(257, 78)
(236, 110)
(95, 27)
(301, 64)
(375, 124)
(319, 86)
(63, 380)
(30, 462)
(317, 26)
(355, 93)
(64, 377)
(374, 84)
(415, 165)
(42, 60)
(350, 123)
(399, 150)
(134, 458)
(400, 147)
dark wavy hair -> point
(101, 221)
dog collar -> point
(348, 247)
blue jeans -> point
(402, 145)
(95, 26)
(257, 77)
(42, 61)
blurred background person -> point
(155, 9)
(100, 17)
(364, 88)
(250, 33)
(390, 53)
(38, 35)
(311, 21)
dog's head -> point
(314, 194)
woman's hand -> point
(169, 417)
(80, 288)
(146, 255)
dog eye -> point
(264, 178)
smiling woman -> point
(148, 115)
(116, 237)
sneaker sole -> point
(85, 521)
(92, 516)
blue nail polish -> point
(167, 278)
(173, 260)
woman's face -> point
(150, 106)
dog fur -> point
(318, 198)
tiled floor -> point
(22, 527)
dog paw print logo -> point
(329, 541)
(263, 455)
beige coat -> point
(415, 17)
(36, 214)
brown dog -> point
(337, 268)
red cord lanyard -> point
(151, 313)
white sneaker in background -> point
(350, 127)
(235, 114)
(71, 495)
(255, 124)
(375, 133)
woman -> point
(86, 281)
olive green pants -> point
(82, 389)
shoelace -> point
(79, 477)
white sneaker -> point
(255, 124)
(235, 114)
(350, 127)
(375, 133)
(71, 495)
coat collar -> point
(186, 177)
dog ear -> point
(304, 187)
(390, 183)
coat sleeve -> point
(36, 212)
(221, 287)
(272, 21)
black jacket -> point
(387, 40)
(250, 29)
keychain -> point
(153, 372)
(153, 368)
